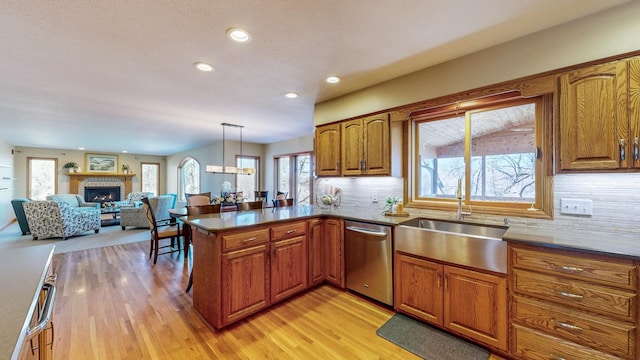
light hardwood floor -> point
(112, 303)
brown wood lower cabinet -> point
(572, 305)
(470, 303)
(241, 271)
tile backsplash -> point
(615, 196)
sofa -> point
(73, 199)
(58, 219)
(20, 216)
(137, 216)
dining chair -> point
(161, 230)
(198, 199)
(281, 195)
(193, 210)
(283, 202)
(250, 205)
(261, 195)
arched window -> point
(188, 177)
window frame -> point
(257, 172)
(157, 165)
(55, 175)
(293, 172)
(542, 207)
(181, 189)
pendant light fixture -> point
(222, 169)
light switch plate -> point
(576, 207)
(374, 196)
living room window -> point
(293, 177)
(493, 149)
(188, 177)
(150, 177)
(43, 180)
(248, 184)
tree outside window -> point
(150, 178)
(189, 177)
(43, 176)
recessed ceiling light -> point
(239, 35)
(291, 95)
(203, 66)
(80, 148)
(332, 79)
(125, 151)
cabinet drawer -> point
(534, 345)
(612, 272)
(574, 293)
(613, 337)
(288, 230)
(245, 238)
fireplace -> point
(101, 194)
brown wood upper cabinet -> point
(600, 117)
(354, 147)
(365, 146)
(327, 144)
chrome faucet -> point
(461, 214)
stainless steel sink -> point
(459, 228)
(472, 245)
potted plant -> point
(70, 166)
(125, 168)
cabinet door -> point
(288, 267)
(418, 288)
(634, 110)
(593, 118)
(475, 305)
(352, 147)
(245, 282)
(376, 151)
(327, 150)
(334, 252)
(316, 251)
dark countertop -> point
(231, 220)
(595, 241)
(23, 273)
(625, 244)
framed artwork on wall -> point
(102, 163)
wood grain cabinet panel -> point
(467, 302)
(366, 146)
(572, 305)
(600, 117)
(245, 238)
(316, 251)
(334, 252)
(245, 283)
(327, 150)
(289, 230)
(288, 267)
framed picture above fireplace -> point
(102, 163)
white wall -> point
(79, 157)
(605, 34)
(6, 159)
(211, 154)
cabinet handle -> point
(337, 165)
(446, 281)
(439, 279)
(567, 326)
(622, 154)
(556, 357)
(635, 149)
(45, 315)
(291, 231)
(571, 268)
(248, 240)
(570, 295)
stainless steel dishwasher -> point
(368, 260)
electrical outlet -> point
(374, 196)
(576, 207)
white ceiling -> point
(72, 72)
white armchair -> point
(51, 219)
(137, 216)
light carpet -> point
(11, 237)
(428, 342)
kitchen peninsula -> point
(246, 261)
